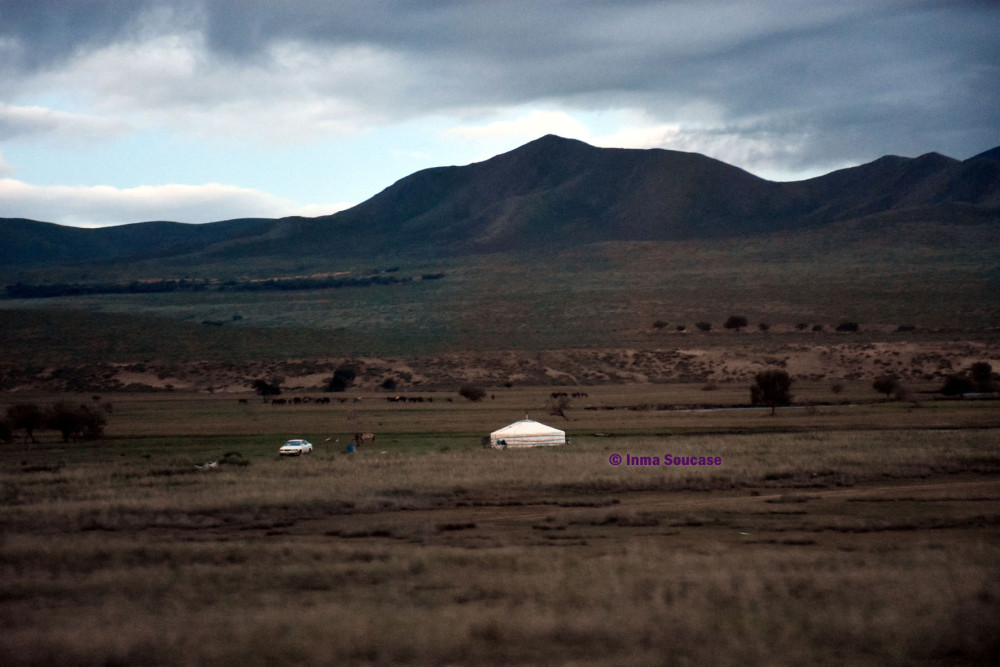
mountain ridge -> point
(549, 193)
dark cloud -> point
(841, 81)
(38, 32)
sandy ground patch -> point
(926, 362)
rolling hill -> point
(550, 195)
(557, 262)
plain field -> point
(830, 534)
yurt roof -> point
(527, 427)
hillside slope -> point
(551, 193)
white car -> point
(296, 448)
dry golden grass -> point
(858, 535)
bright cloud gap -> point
(105, 206)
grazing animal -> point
(361, 438)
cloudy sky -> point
(116, 111)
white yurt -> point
(527, 433)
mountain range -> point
(550, 194)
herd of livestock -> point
(306, 400)
(323, 400)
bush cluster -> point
(80, 422)
(472, 392)
(739, 322)
(27, 291)
(343, 377)
(266, 388)
(979, 378)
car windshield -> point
(293, 443)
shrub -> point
(25, 417)
(704, 326)
(233, 459)
(343, 377)
(886, 384)
(850, 327)
(659, 324)
(982, 376)
(389, 384)
(735, 322)
(764, 326)
(801, 326)
(472, 392)
(817, 327)
(681, 327)
(956, 385)
(266, 388)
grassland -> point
(939, 278)
(576, 317)
(860, 533)
(845, 530)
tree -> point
(956, 385)
(472, 392)
(735, 322)
(266, 388)
(982, 376)
(25, 417)
(771, 388)
(886, 384)
(343, 377)
(84, 421)
(60, 417)
(91, 422)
